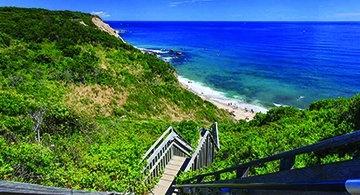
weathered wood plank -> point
(204, 150)
(26, 188)
(335, 186)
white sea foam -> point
(278, 105)
(219, 97)
(156, 51)
(236, 104)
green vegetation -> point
(283, 129)
(99, 104)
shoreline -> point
(238, 109)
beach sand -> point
(237, 108)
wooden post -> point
(195, 163)
(215, 133)
(167, 157)
(209, 154)
(242, 172)
(206, 151)
(212, 153)
(202, 156)
(287, 163)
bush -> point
(283, 129)
(13, 104)
(58, 65)
(5, 40)
(276, 114)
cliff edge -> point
(105, 27)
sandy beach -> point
(237, 108)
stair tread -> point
(170, 172)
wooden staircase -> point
(171, 154)
(341, 177)
(170, 172)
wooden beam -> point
(336, 171)
(331, 143)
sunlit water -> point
(261, 63)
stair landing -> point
(170, 172)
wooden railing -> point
(287, 176)
(205, 151)
(156, 158)
(161, 152)
(172, 144)
(14, 188)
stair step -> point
(167, 177)
(177, 163)
(170, 172)
(172, 166)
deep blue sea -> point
(266, 63)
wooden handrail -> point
(197, 151)
(174, 134)
(337, 186)
(170, 142)
(215, 134)
(162, 151)
(326, 177)
(157, 142)
(287, 158)
(8, 187)
(205, 151)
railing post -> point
(242, 172)
(215, 133)
(201, 158)
(196, 163)
(209, 151)
(287, 163)
(206, 151)
(203, 154)
(212, 150)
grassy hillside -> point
(287, 128)
(97, 102)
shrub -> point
(5, 40)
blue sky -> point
(206, 10)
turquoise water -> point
(261, 63)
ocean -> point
(262, 63)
